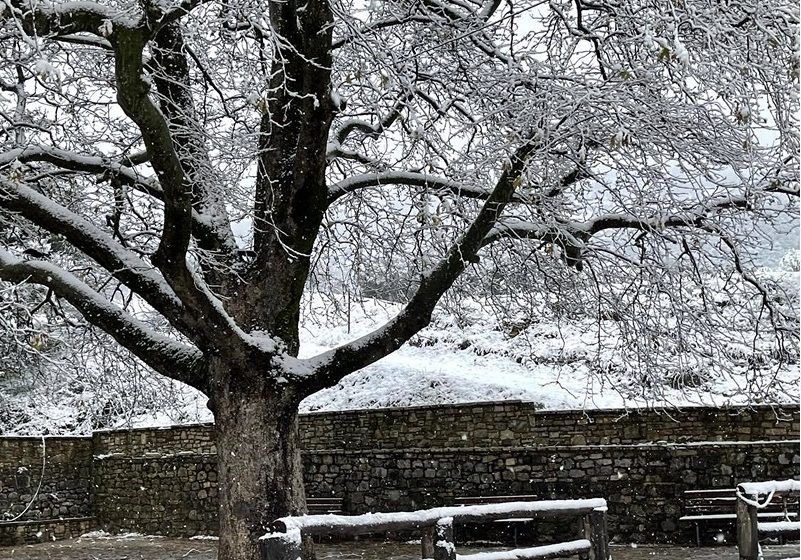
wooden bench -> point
(754, 498)
(717, 507)
(321, 506)
(485, 500)
(287, 539)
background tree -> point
(209, 161)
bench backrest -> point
(724, 500)
(323, 505)
(479, 500)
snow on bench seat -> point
(773, 527)
(730, 516)
(561, 550)
(769, 486)
(378, 522)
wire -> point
(38, 488)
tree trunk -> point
(258, 454)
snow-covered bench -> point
(755, 497)
(285, 542)
(482, 500)
(717, 508)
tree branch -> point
(171, 78)
(572, 237)
(170, 257)
(349, 126)
(411, 178)
(529, 195)
(84, 163)
(122, 264)
(66, 18)
(327, 368)
(105, 166)
(163, 354)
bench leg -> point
(427, 542)
(697, 534)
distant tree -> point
(207, 161)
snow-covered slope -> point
(463, 356)
(449, 363)
(478, 357)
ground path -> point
(157, 548)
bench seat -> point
(779, 527)
(730, 516)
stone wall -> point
(520, 424)
(63, 499)
(176, 495)
(514, 424)
(164, 481)
(643, 484)
(173, 495)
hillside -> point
(467, 354)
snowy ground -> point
(158, 548)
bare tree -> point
(209, 161)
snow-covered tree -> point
(209, 161)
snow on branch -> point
(123, 264)
(411, 178)
(573, 236)
(113, 166)
(328, 367)
(166, 18)
(65, 18)
(165, 355)
(532, 194)
(84, 163)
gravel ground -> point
(158, 548)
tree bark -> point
(258, 452)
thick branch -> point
(170, 257)
(171, 77)
(66, 18)
(410, 178)
(122, 264)
(570, 237)
(692, 217)
(163, 354)
(573, 236)
(329, 367)
(105, 166)
(86, 164)
(133, 96)
(530, 195)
